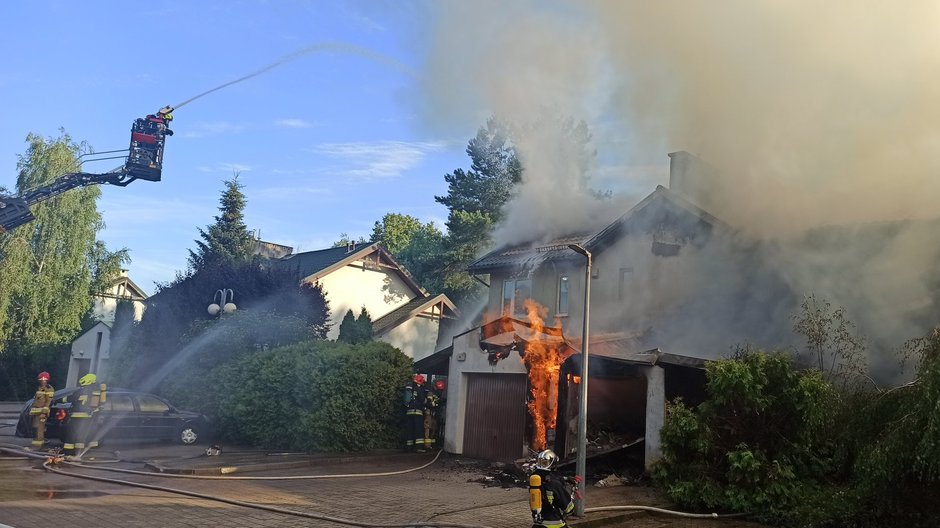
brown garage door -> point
(496, 416)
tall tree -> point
(50, 268)
(395, 230)
(228, 238)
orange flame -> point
(543, 361)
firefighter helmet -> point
(439, 385)
(43, 376)
(419, 379)
(546, 459)
(87, 379)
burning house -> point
(512, 380)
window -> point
(563, 284)
(118, 403)
(626, 275)
(149, 404)
(515, 292)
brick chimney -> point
(691, 178)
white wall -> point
(361, 284)
(467, 359)
(415, 337)
(94, 346)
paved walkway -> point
(449, 491)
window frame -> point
(563, 278)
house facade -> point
(90, 351)
(645, 267)
(360, 276)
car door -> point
(118, 420)
(156, 420)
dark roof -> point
(437, 363)
(642, 216)
(529, 254)
(313, 262)
(409, 310)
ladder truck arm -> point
(144, 161)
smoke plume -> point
(815, 115)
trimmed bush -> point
(314, 396)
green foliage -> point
(756, 445)
(356, 330)
(49, 268)
(228, 238)
(314, 396)
(191, 379)
(832, 338)
(171, 313)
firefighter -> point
(415, 401)
(433, 409)
(85, 404)
(40, 408)
(550, 500)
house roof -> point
(643, 216)
(411, 309)
(531, 255)
(437, 363)
(314, 265)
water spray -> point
(336, 47)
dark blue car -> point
(125, 415)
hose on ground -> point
(668, 512)
(275, 509)
(233, 477)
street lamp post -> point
(581, 468)
(225, 304)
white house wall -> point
(93, 346)
(360, 284)
(469, 359)
(415, 337)
(105, 308)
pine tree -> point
(228, 238)
(348, 330)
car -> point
(125, 415)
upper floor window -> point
(626, 276)
(562, 307)
(515, 292)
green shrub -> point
(756, 445)
(314, 396)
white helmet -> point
(546, 459)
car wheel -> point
(188, 435)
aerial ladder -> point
(144, 161)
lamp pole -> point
(225, 305)
(581, 468)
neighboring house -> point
(647, 266)
(91, 350)
(360, 276)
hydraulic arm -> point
(144, 161)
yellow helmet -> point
(87, 379)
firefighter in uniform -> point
(40, 409)
(415, 400)
(550, 500)
(85, 404)
(432, 410)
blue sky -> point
(325, 143)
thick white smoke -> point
(815, 114)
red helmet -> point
(439, 385)
(419, 378)
(43, 376)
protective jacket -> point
(40, 413)
(415, 399)
(549, 499)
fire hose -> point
(50, 464)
